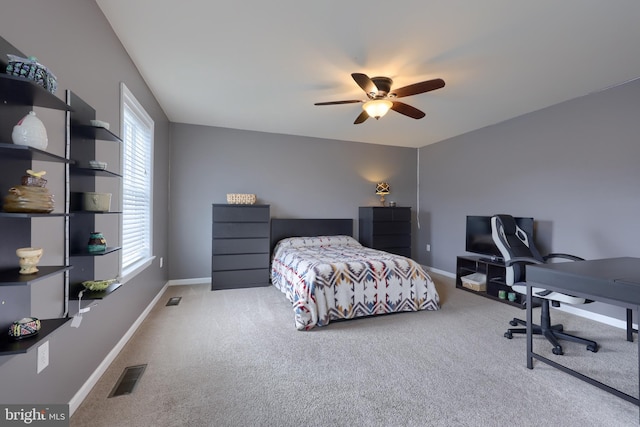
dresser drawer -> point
(239, 279)
(390, 214)
(401, 214)
(391, 241)
(241, 213)
(399, 251)
(383, 227)
(239, 261)
(240, 246)
(240, 229)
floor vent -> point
(128, 380)
(174, 301)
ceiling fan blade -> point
(417, 88)
(365, 83)
(361, 118)
(407, 110)
(351, 101)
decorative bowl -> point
(29, 258)
(96, 202)
(24, 328)
(98, 285)
(31, 69)
(28, 198)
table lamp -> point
(382, 189)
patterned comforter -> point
(335, 277)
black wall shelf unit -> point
(18, 96)
(82, 142)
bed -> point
(327, 275)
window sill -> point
(136, 269)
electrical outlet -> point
(428, 247)
(43, 356)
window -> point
(137, 174)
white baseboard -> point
(611, 321)
(79, 397)
(186, 282)
(441, 272)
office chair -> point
(518, 250)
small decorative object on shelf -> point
(31, 69)
(34, 179)
(29, 258)
(30, 131)
(24, 328)
(96, 202)
(241, 199)
(99, 124)
(97, 242)
(95, 164)
(98, 285)
(31, 196)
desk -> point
(613, 281)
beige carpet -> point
(234, 358)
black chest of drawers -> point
(386, 228)
(240, 246)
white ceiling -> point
(261, 65)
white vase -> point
(30, 132)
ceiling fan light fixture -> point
(377, 108)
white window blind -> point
(137, 174)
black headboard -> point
(295, 227)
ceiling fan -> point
(381, 98)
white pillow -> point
(297, 242)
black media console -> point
(494, 270)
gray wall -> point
(299, 177)
(573, 167)
(73, 38)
